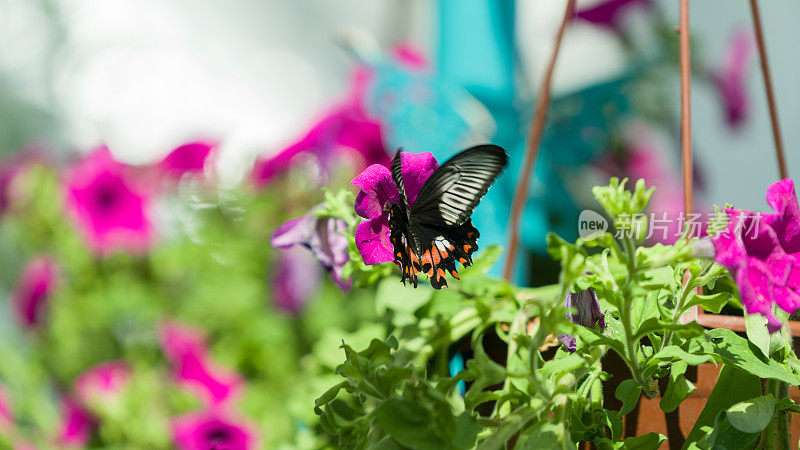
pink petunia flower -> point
(76, 424)
(102, 381)
(609, 13)
(730, 79)
(109, 210)
(376, 190)
(187, 158)
(323, 236)
(295, 280)
(762, 252)
(36, 284)
(186, 350)
(212, 429)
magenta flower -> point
(730, 78)
(8, 173)
(186, 350)
(187, 158)
(762, 253)
(376, 190)
(296, 279)
(324, 236)
(102, 381)
(212, 430)
(76, 424)
(36, 284)
(108, 209)
(587, 314)
(608, 13)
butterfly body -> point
(436, 231)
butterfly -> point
(436, 231)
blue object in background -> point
(455, 366)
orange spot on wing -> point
(467, 247)
(455, 274)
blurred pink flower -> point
(296, 279)
(730, 78)
(102, 380)
(35, 286)
(76, 424)
(106, 206)
(212, 429)
(186, 350)
(325, 237)
(376, 189)
(608, 13)
(762, 252)
(187, 158)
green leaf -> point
(328, 396)
(735, 350)
(467, 430)
(678, 388)
(733, 385)
(675, 353)
(753, 415)
(401, 300)
(568, 363)
(628, 392)
(408, 424)
(644, 442)
(757, 333)
(712, 302)
(542, 436)
(654, 324)
(725, 436)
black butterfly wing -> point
(441, 247)
(450, 195)
(397, 176)
(403, 245)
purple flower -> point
(36, 284)
(186, 350)
(345, 129)
(324, 236)
(102, 381)
(762, 253)
(76, 424)
(187, 158)
(108, 209)
(730, 78)
(587, 314)
(608, 13)
(212, 429)
(295, 279)
(376, 190)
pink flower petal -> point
(212, 429)
(76, 424)
(416, 168)
(730, 78)
(377, 188)
(372, 240)
(102, 380)
(187, 158)
(108, 209)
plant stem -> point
(782, 418)
(773, 108)
(632, 348)
(686, 289)
(686, 107)
(768, 435)
(532, 149)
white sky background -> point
(146, 75)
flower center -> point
(218, 435)
(105, 198)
